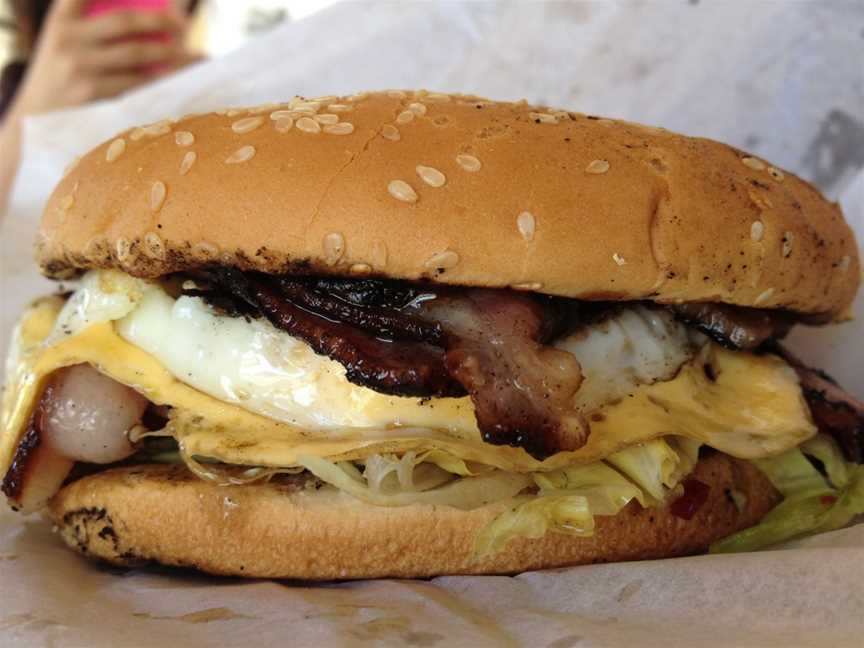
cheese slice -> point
(751, 407)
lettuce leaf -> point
(826, 450)
(653, 466)
(570, 497)
(533, 519)
(811, 505)
(465, 493)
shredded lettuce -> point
(824, 448)
(464, 493)
(412, 472)
(569, 498)
(533, 519)
(654, 466)
(812, 504)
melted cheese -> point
(753, 409)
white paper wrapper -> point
(780, 79)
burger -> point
(403, 334)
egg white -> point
(250, 363)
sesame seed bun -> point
(163, 514)
(459, 190)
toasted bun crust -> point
(612, 209)
(164, 514)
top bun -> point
(457, 189)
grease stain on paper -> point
(565, 642)
(629, 591)
(398, 628)
(201, 616)
(29, 620)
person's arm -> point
(79, 59)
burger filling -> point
(400, 394)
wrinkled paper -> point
(780, 79)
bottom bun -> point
(295, 528)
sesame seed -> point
(764, 296)
(397, 94)
(94, 249)
(468, 162)
(187, 162)
(276, 115)
(233, 112)
(334, 247)
(618, 259)
(776, 173)
(788, 237)
(184, 138)
(157, 195)
(417, 108)
(390, 132)
(526, 224)
(67, 202)
(404, 117)
(243, 154)
(205, 250)
(153, 246)
(757, 230)
(327, 119)
(308, 125)
(563, 115)
(246, 125)
(360, 269)
(115, 149)
(543, 118)
(283, 125)
(431, 176)
(437, 97)
(136, 134)
(753, 163)
(844, 263)
(325, 99)
(528, 285)
(306, 106)
(760, 200)
(401, 190)
(123, 248)
(442, 260)
(597, 167)
(337, 108)
(342, 128)
(263, 108)
(158, 128)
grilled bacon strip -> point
(406, 368)
(735, 327)
(835, 411)
(401, 340)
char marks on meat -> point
(13, 480)
(523, 391)
(406, 340)
(735, 327)
(835, 411)
(411, 367)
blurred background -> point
(782, 79)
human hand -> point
(80, 59)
